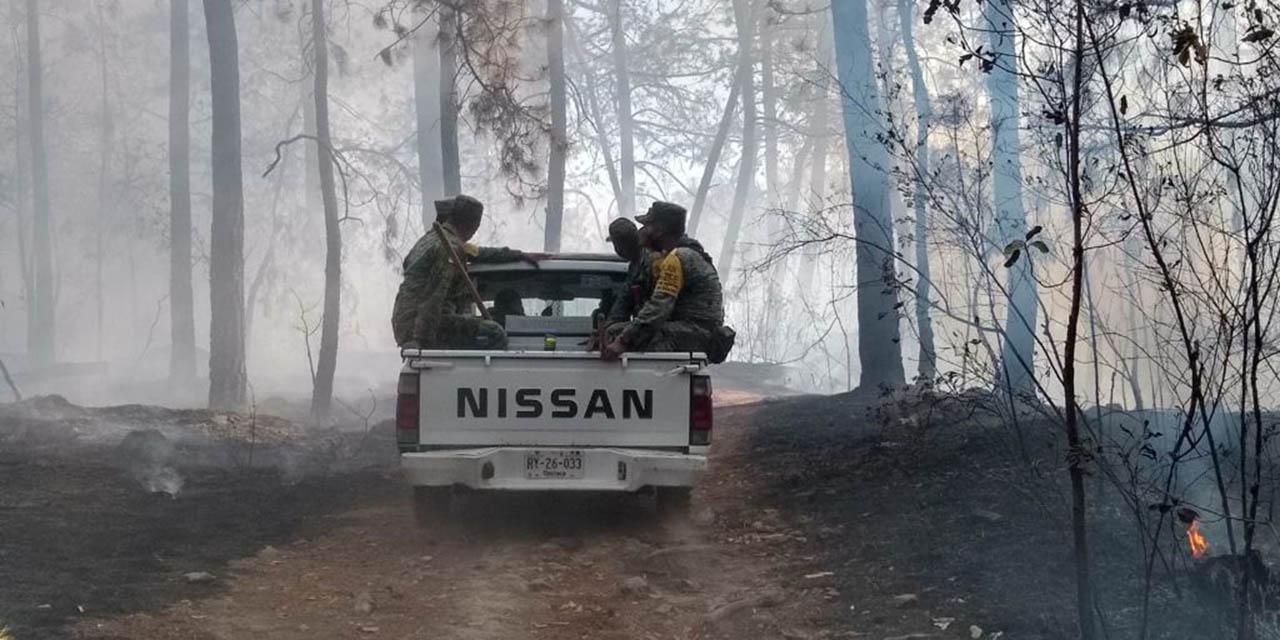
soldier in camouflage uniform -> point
(434, 309)
(632, 293)
(686, 306)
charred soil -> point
(821, 518)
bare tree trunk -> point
(182, 354)
(269, 256)
(769, 102)
(312, 198)
(593, 104)
(744, 16)
(104, 162)
(17, 395)
(626, 135)
(20, 169)
(559, 137)
(928, 366)
(713, 154)
(322, 390)
(426, 93)
(798, 163)
(449, 159)
(879, 353)
(1076, 453)
(773, 185)
(1017, 368)
(227, 377)
(1137, 330)
(41, 334)
(818, 164)
(891, 100)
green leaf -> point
(1013, 247)
(1013, 258)
(1039, 244)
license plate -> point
(553, 465)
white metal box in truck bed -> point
(552, 420)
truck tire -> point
(673, 501)
(432, 505)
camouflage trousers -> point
(668, 336)
(464, 332)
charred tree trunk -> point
(626, 135)
(559, 138)
(426, 93)
(449, 159)
(928, 366)
(41, 334)
(182, 327)
(227, 377)
(322, 390)
(879, 353)
(744, 16)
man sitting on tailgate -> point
(686, 307)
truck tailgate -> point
(560, 399)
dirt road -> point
(502, 567)
(340, 557)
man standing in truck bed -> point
(434, 308)
(686, 308)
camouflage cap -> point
(444, 210)
(464, 206)
(621, 228)
(666, 212)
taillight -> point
(700, 410)
(407, 410)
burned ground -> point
(78, 536)
(84, 533)
(822, 517)
(929, 515)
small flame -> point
(1199, 544)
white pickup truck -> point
(545, 414)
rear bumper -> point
(503, 468)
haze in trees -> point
(1062, 214)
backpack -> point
(721, 344)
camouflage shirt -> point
(633, 291)
(686, 288)
(432, 286)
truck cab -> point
(545, 414)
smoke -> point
(163, 480)
(146, 455)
